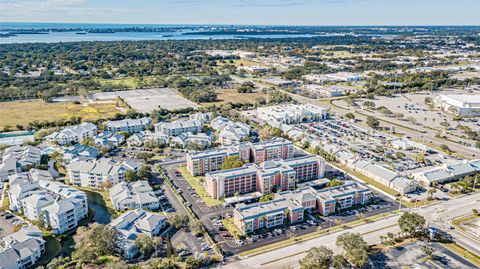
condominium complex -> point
(96, 173)
(292, 205)
(136, 195)
(200, 163)
(291, 114)
(266, 177)
(179, 127)
(15, 158)
(230, 132)
(128, 125)
(130, 225)
(74, 134)
(59, 206)
(22, 249)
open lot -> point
(149, 99)
(411, 256)
(231, 95)
(24, 112)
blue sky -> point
(283, 12)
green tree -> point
(334, 183)
(317, 258)
(193, 263)
(131, 176)
(372, 122)
(170, 250)
(354, 248)
(94, 241)
(428, 251)
(411, 223)
(350, 116)
(232, 162)
(146, 245)
(177, 220)
(145, 172)
(339, 262)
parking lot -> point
(212, 216)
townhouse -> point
(291, 114)
(136, 195)
(200, 163)
(130, 225)
(96, 173)
(74, 134)
(128, 125)
(22, 249)
(178, 127)
(57, 205)
(265, 178)
(448, 172)
(16, 158)
(289, 207)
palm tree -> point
(431, 191)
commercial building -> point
(291, 114)
(130, 225)
(178, 127)
(74, 134)
(128, 125)
(96, 173)
(135, 195)
(463, 105)
(22, 249)
(200, 163)
(267, 177)
(291, 206)
(448, 172)
(59, 206)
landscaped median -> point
(306, 237)
(195, 182)
(471, 257)
(231, 227)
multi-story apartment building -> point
(128, 125)
(136, 195)
(16, 158)
(200, 163)
(267, 214)
(74, 134)
(266, 177)
(291, 114)
(22, 249)
(96, 173)
(179, 127)
(59, 206)
(294, 204)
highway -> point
(434, 214)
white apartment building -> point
(95, 173)
(17, 157)
(128, 125)
(230, 132)
(22, 249)
(59, 206)
(183, 140)
(136, 195)
(131, 224)
(464, 105)
(74, 134)
(291, 114)
(178, 127)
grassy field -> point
(24, 112)
(129, 82)
(195, 183)
(231, 95)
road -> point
(435, 214)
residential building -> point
(200, 140)
(131, 224)
(126, 196)
(267, 177)
(200, 163)
(74, 134)
(96, 173)
(229, 132)
(59, 206)
(16, 158)
(178, 127)
(128, 125)
(291, 114)
(22, 249)
(138, 139)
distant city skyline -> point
(245, 12)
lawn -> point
(129, 82)
(231, 227)
(231, 95)
(472, 257)
(24, 112)
(195, 183)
